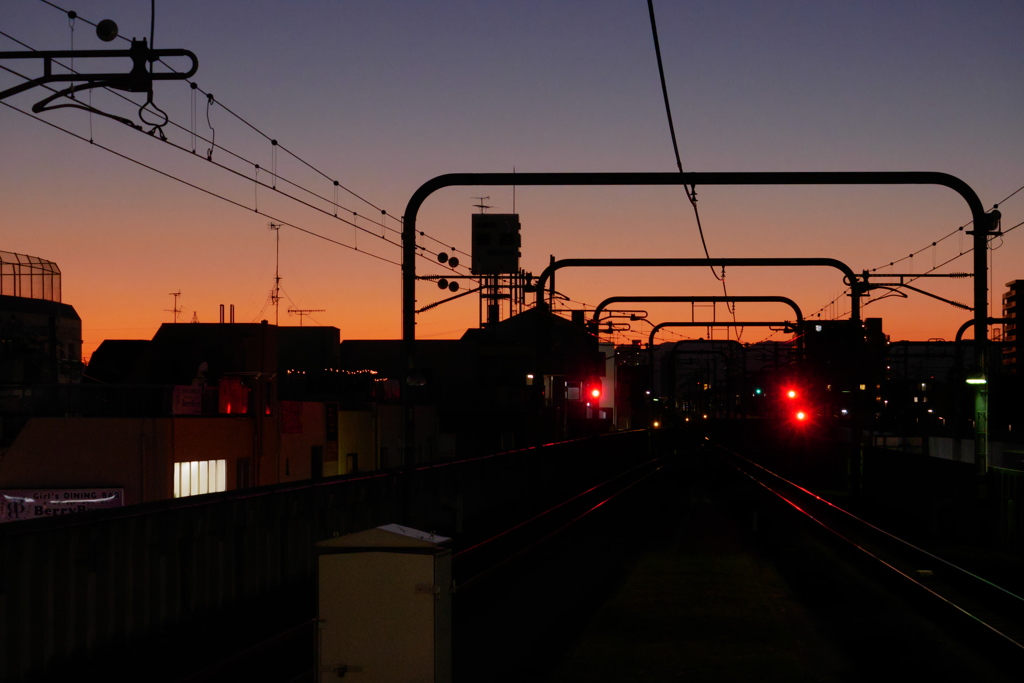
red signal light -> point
(800, 416)
(791, 393)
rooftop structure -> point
(29, 277)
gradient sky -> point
(384, 95)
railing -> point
(92, 592)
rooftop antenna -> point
(275, 294)
(175, 310)
(480, 203)
(303, 312)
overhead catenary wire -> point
(692, 192)
(277, 144)
(197, 187)
(229, 169)
(930, 270)
(956, 231)
(935, 267)
(240, 158)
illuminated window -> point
(197, 477)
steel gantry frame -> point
(547, 276)
(983, 228)
(689, 323)
(596, 317)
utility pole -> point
(275, 294)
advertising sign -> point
(35, 503)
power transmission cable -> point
(197, 187)
(958, 230)
(241, 159)
(931, 270)
(235, 172)
(254, 128)
(963, 252)
(692, 193)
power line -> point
(236, 172)
(944, 237)
(336, 183)
(932, 245)
(197, 187)
(232, 154)
(931, 270)
(692, 193)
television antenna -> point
(175, 310)
(303, 312)
(480, 204)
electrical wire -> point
(234, 171)
(933, 269)
(286, 150)
(692, 193)
(197, 187)
(958, 230)
(963, 252)
(240, 158)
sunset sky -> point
(382, 96)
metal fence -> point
(29, 277)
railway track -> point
(523, 592)
(969, 610)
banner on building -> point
(19, 504)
